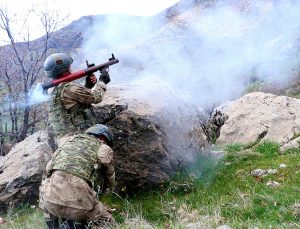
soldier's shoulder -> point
(77, 88)
(81, 139)
(105, 154)
(64, 84)
(84, 137)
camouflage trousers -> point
(61, 196)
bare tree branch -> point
(23, 68)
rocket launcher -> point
(81, 73)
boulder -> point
(21, 171)
(261, 116)
(155, 133)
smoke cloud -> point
(207, 54)
(204, 56)
(37, 95)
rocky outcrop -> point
(154, 132)
(261, 116)
(21, 171)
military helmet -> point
(56, 64)
(101, 130)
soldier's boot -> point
(52, 221)
(103, 223)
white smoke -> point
(37, 96)
(203, 57)
(207, 54)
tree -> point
(22, 67)
(1, 135)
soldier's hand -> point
(105, 78)
(104, 70)
(90, 81)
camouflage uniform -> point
(70, 110)
(76, 170)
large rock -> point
(154, 130)
(21, 171)
(258, 116)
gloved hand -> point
(104, 70)
(90, 81)
(104, 77)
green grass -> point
(296, 95)
(254, 87)
(213, 192)
(268, 148)
(25, 217)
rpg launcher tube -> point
(79, 74)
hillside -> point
(236, 192)
(195, 148)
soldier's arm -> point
(82, 94)
(105, 156)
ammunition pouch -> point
(89, 115)
(82, 118)
(96, 181)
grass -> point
(254, 87)
(268, 149)
(210, 193)
(295, 95)
(25, 217)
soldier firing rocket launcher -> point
(81, 73)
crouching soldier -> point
(77, 170)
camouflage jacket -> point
(70, 109)
(86, 157)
